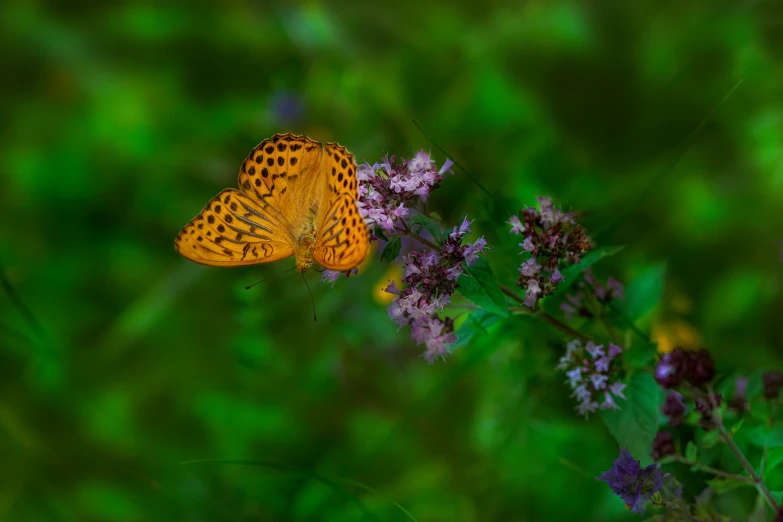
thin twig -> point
(725, 436)
(712, 470)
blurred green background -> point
(121, 119)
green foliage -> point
(478, 284)
(392, 249)
(119, 359)
(643, 292)
(430, 225)
(634, 426)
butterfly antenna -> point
(312, 300)
(248, 287)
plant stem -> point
(510, 293)
(725, 436)
(420, 239)
(712, 470)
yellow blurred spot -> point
(394, 273)
(676, 333)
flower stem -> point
(725, 436)
(712, 470)
(420, 239)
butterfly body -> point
(296, 197)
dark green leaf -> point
(774, 459)
(478, 284)
(392, 249)
(478, 322)
(428, 224)
(639, 355)
(691, 452)
(635, 425)
(379, 233)
(643, 293)
(571, 274)
(761, 436)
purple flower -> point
(437, 335)
(464, 228)
(392, 288)
(472, 250)
(599, 380)
(614, 350)
(529, 268)
(633, 484)
(617, 389)
(663, 445)
(594, 350)
(616, 287)
(773, 381)
(574, 377)
(592, 379)
(609, 403)
(602, 364)
(554, 240)
(674, 408)
(330, 276)
(517, 227)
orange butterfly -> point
(296, 197)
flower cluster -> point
(387, 188)
(430, 279)
(590, 289)
(678, 366)
(663, 445)
(634, 484)
(674, 408)
(592, 376)
(551, 237)
(773, 381)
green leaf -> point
(710, 439)
(639, 355)
(774, 459)
(737, 426)
(379, 233)
(392, 249)
(761, 436)
(778, 496)
(722, 485)
(691, 452)
(428, 224)
(644, 292)
(635, 425)
(478, 284)
(478, 322)
(571, 274)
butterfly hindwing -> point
(342, 236)
(233, 230)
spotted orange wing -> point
(257, 223)
(233, 230)
(281, 174)
(342, 238)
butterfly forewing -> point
(233, 230)
(291, 188)
(280, 175)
